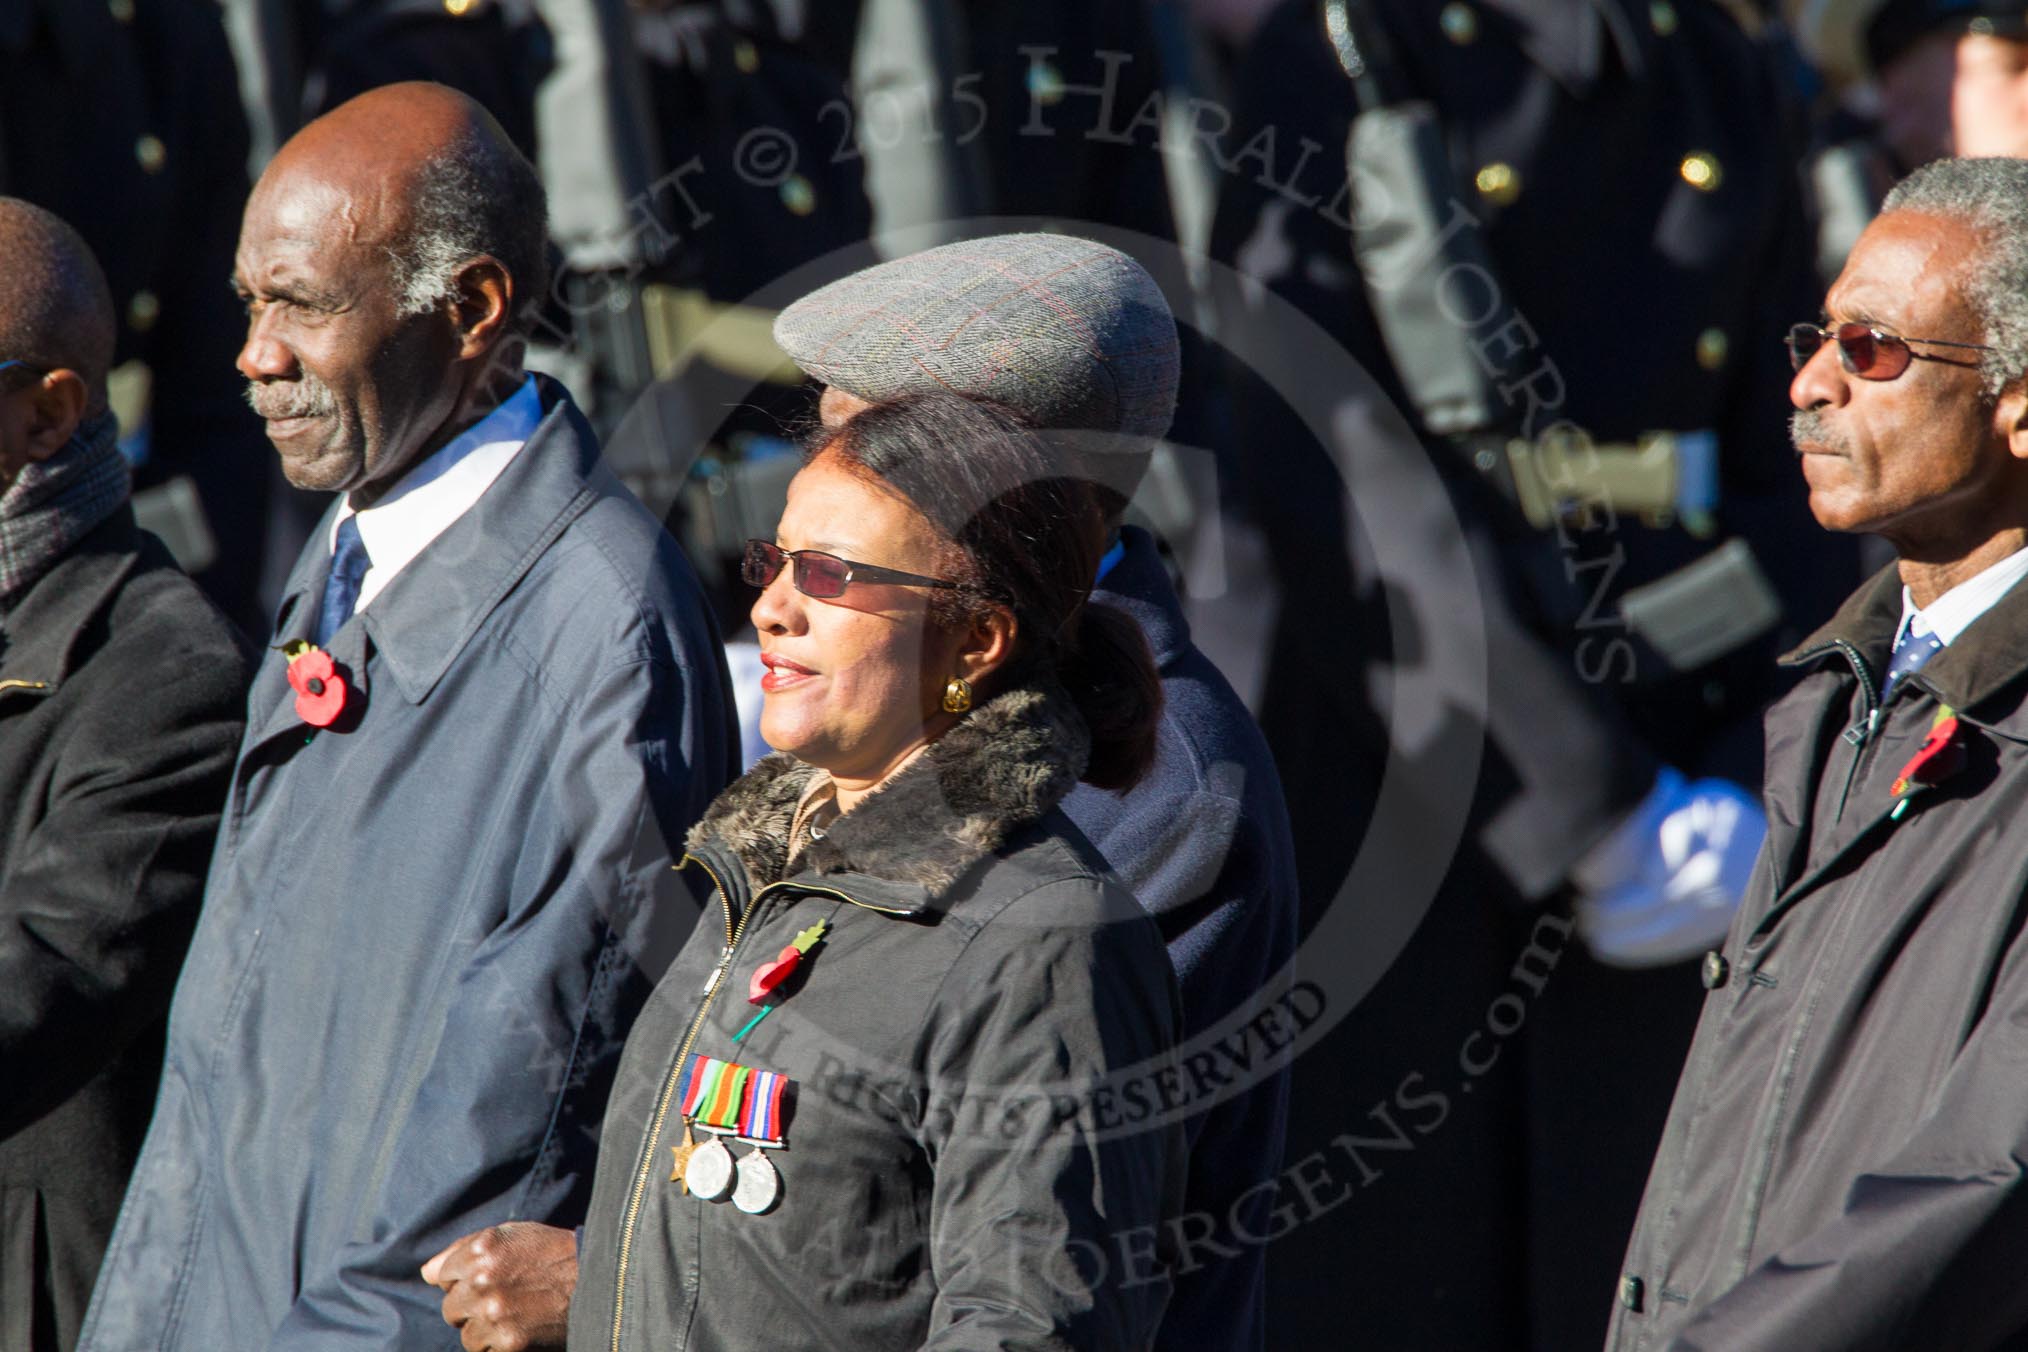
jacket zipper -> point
(1860, 734)
(734, 932)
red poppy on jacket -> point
(320, 690)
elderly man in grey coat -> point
(121, 693)
(493, 699)
(1843, 1167)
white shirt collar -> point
(433, 494)
(1953, 612)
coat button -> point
(143, 311)
(1662, 18)
(1716, 970)
(1459, 23)
(1498, 183)
(1630, 1292)
(122, 10)
(1701, 170)
(798, 195)
(151, 154)
(1713, 347)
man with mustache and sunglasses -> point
(493, 699)
(1842, 1168)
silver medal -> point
(759, 1186)
(709, 1173)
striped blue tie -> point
(349, 563)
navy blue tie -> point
(1911, 650)
(349, 563)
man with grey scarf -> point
(121, 707)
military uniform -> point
(1628, 170)
(119, 116)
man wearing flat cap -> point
(1075, 336)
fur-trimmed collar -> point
(1003, 766)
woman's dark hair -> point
(1027, 532)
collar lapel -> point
(1139, 585)
(47, 621)
(424, 618)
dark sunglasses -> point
(1864, 351)
(824, 576)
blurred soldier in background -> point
(118, 115)
(1906, 82)
(1565, 243)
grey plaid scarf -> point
(56, 502)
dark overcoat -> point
(427, 928)
(121, 705)
(1203, 844)
(975, 1151)
(1843, 1165)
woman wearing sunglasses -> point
(904, 1086)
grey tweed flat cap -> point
(1067, 332)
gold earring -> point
(957, 695)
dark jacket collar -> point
(1989, 656)
(1139, 585)
(1002, 767)
(431, 610)
(39, 641)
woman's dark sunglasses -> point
(824, 576)
(1864, 351)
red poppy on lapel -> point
(772, 974)
(320, 690)
(1940, 756)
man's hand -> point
(507, 1288)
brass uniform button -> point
(1662, 18)
(1631, 1291)
(1716, 970)
(142, 311)
(122, 10)
(1712, 349)
(1498, 183)
(1045, 83)
(151, 154)
(462, 9)
(1701, 171)
(746, 56)
(798, 196)
(1459, 22)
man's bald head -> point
(392, 259)
(56, 312)
(435, 182)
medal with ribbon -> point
(723, 1098)
(712, 1100)
(758, 1187)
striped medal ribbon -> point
(714, 1100)
(758, 1186)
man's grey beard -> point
(305, 397)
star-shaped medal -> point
(682, 1154)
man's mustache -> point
(307, 397)
(1808, 428)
